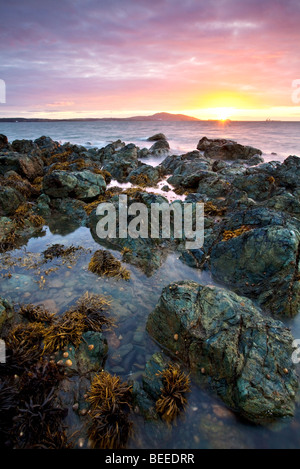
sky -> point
(236, 59)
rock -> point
(263, 264)
(29, 167)
(243, 353)
(85, 360)
(157, 137)
(84, 185)
(10, 199)
(43, 205)
(48, 146)
(223, 149)
(120, 163)
(145, 175)
(159, 147)
(7, 317)
(4, 145)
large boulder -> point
(160, 147)
(84, 185)
(224, 149)
(261, 263)
(246, 356)
(27, 166)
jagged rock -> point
(246, 356)
(263, 264)
(27, 166)
(83, 185)
(223, 149)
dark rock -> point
(263, 264)
(145, 175)
(4, 145)
(84, 185)
(120, 163)
(10, 199)
(223, 149)
(157, 137)
(29, 167)
(159, 147)
(246, 357)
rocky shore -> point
(232, 336)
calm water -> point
(206, 423)
(282, 138)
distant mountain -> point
(164, 116)
(159, 116)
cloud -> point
(136, 52)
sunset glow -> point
(216, 60)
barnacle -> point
(172, 400)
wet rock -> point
(263, 264)
(7, 317)
(145, 175)
(10, 199)
(120, 163)
(243, 353)
(160, 147)
(84, 185)
(157, 137)
(223, 149)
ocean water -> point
(282, 138)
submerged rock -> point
(246, 356)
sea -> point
(276, 139)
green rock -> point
(246, 356)
(262, 264)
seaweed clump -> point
(59, 250)
(104, 263)
(233, 234)
(36, 314)
(111, 402)
(172, 400)
(89, 314)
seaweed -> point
(211, 209)
(37, 420)
(104, 263)
(111, 403)
(23, 347)
(36, 314)
(94, 309)
(8, 394)
(59, 250)
(233, 234)
(68, 329)
(172, 400)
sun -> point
(224, 113)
